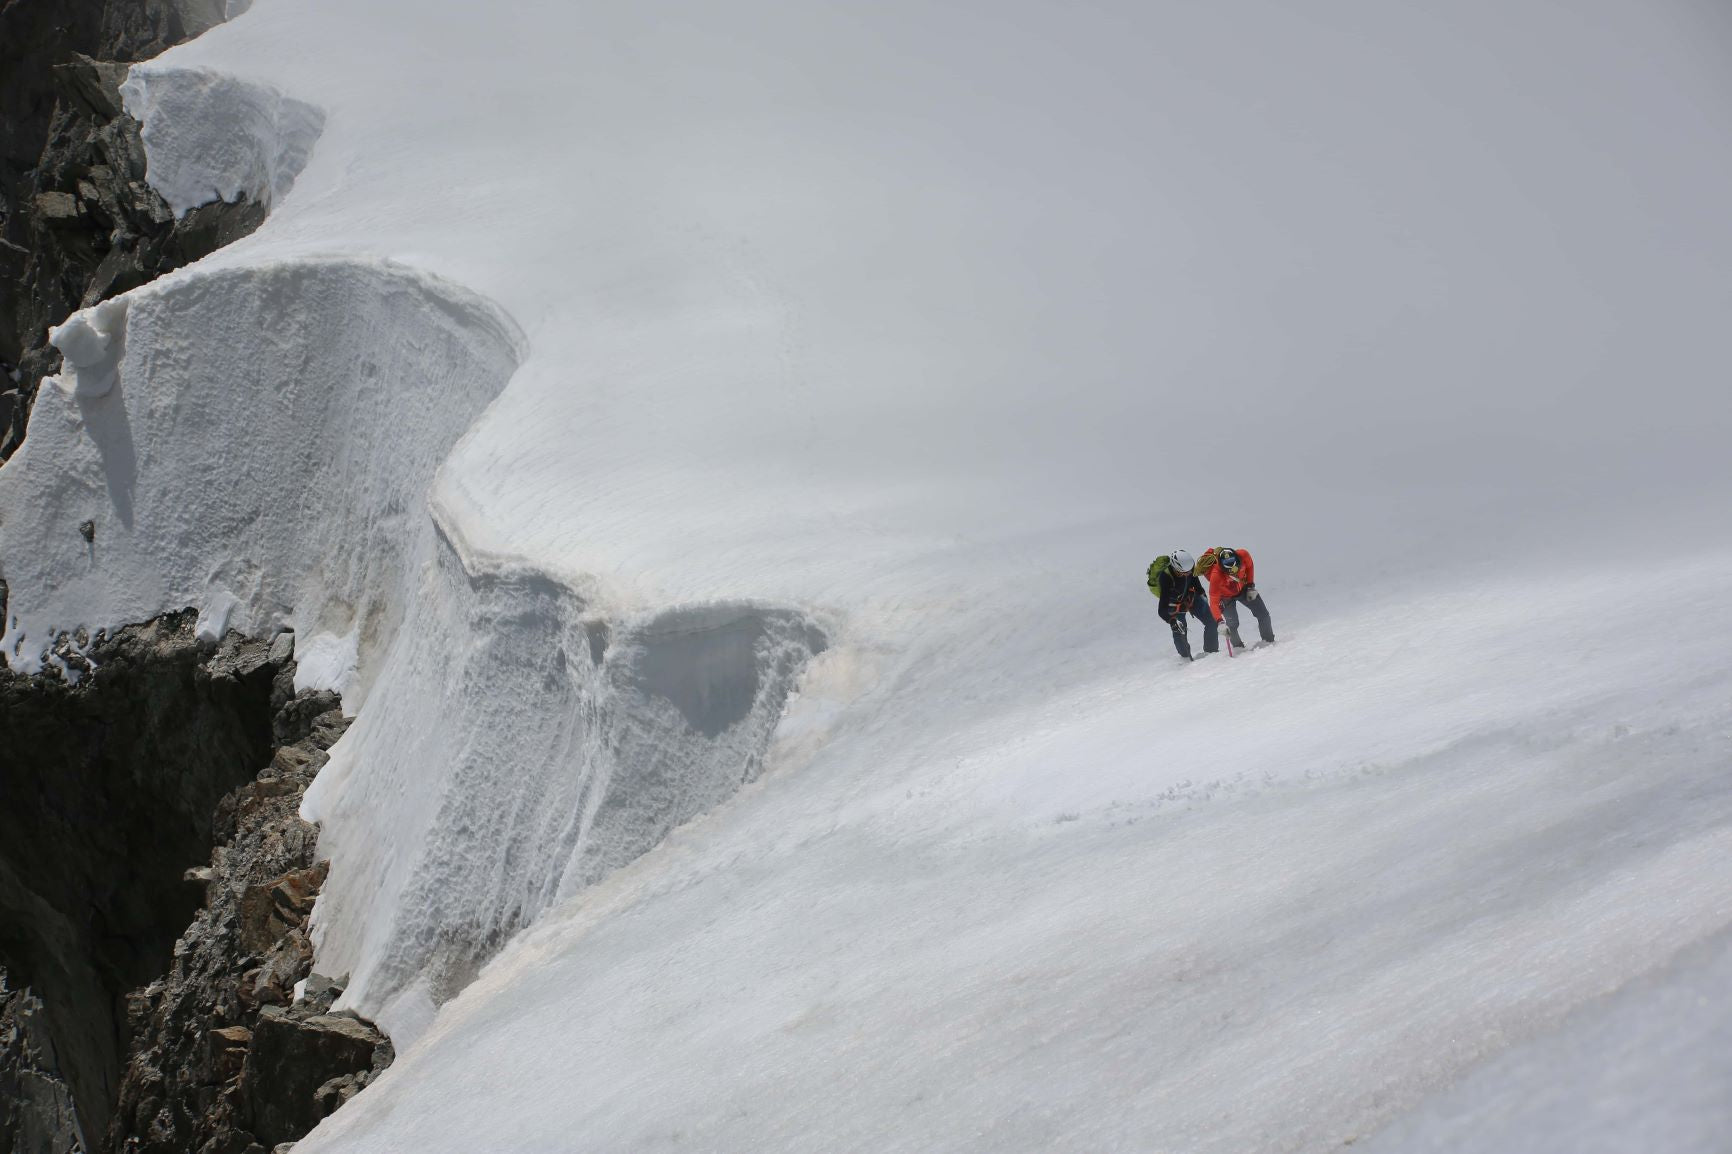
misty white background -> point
(1350, 280)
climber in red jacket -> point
(1233, 580)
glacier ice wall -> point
(261, 447)
(521, 744)
(264, 441)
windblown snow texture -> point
(256, 442)
(211, 136)
(612, 733)
(867, 355)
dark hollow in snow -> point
(707, 667)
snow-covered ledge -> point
(256, 442)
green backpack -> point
(1156, 567)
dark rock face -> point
(36, 1115)
(78, 223)
(111, 793)
(34, 35)
(140, 29)
(225, 1057)
(300, 1068)
(107, 794)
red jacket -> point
(1224, 585)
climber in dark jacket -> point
(1173, 578)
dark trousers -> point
(1254, 600)
(1199, 610)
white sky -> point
(1340, 278)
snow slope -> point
(629, 405)
(1106, 930)
(1654, 1050)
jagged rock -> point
(287, 962)
(239, 658)
(91, 86)
(107, 794)
(228, 1051)
(36, 1113)
(195, 1030)
(237, 969)
(270, 910)
(337, 1091)
(33, 37)
(283, 648)
(293, 1059)
(320, 993)
(58, 210)
(211, 226)
(231, 1142)
(143, 28)
(120, 148)
(295, 719)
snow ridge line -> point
(260, 441)
(263, 440)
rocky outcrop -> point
(108, 790)
(137, 752)
(300, 1066)
(140, 29)
(236, 1048)
(163, 1002)
(78, 223)
(34, 36)
(36, 1113)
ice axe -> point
(1231, 635)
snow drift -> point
(210, 136)
(611, 732)
(256, 442)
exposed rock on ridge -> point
(78, 223)
(225, 1056)
(36, 1113)
(107, 790)
(110, 773)
(110, 790)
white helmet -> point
(1182, 561)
